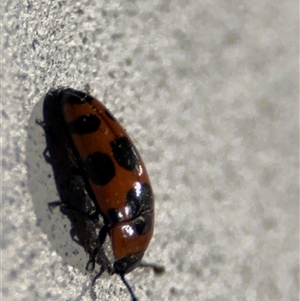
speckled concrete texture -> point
(209, 92)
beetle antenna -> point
(133, 297)
(157, 268)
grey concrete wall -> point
(209, 92)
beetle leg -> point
(47, 156)
(53, 205)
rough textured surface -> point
(209, 92)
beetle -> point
(98, 173)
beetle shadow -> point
(44, 191)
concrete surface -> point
(209, 92)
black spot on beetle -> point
(125, 153)
(140, 198)
(143, 224)
(85, 124)
(99, 168)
